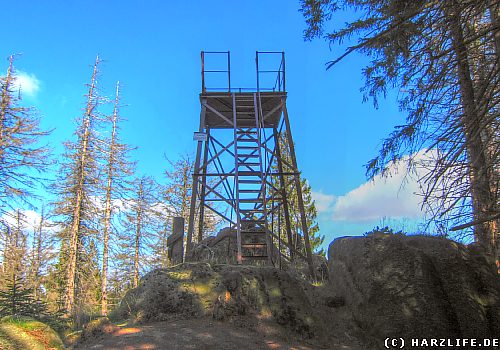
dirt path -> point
(200, 334)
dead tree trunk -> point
(138, 232)
(107, 207)
(37, 255)
(75, 235)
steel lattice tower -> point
(245, 168)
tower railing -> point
(264, 69)
(279, 81)
(215, 71)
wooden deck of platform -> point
(219, 111)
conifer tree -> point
(22, 157)
(177, 194)
(41, 254)
(15, 249)
(443, 57)
(17, 299)
(142, 219)
(159, 248)
(77, 189)
(294, 238)
(118, 168)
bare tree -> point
(77, 189)
(141, 221)
(22, 157)
(42, 253)
(178, 190)
(15, 249)
(118, 168)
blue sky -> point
(153, 48)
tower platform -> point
(219, 112)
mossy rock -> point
(410, 286)
(222, 291)
(21, 332)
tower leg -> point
(300, 199)
(286, 212)
(203, 187)
(194, 191)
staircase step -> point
(239, 139)
(249, 173)
(254, 245)
(250, 200)
(242, 181)
(252, 211)
(247, 147)
(249, 191)
(257, 236)
(256, 220)
(248, 164)
(254, 257)
(245, 120)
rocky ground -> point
(379, 286)
(199, 333)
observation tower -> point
(245, 169)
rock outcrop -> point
(415, 287)
(222, 292)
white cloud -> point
(27, 83)
(322, 201)
(30, 219)
(384, 197)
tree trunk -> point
(37, 259)
(137, 248)
(77, 211)
(105, 248)
(5, 102)
(495, 23)
(107, 210)
(471, 125)
(75, 235)
(138, 234)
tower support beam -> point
(194, 189)
(300, 199)
(286, 212)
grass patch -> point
(318, 283)
(24, 333)
(179, 275)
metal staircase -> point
(250, 196)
